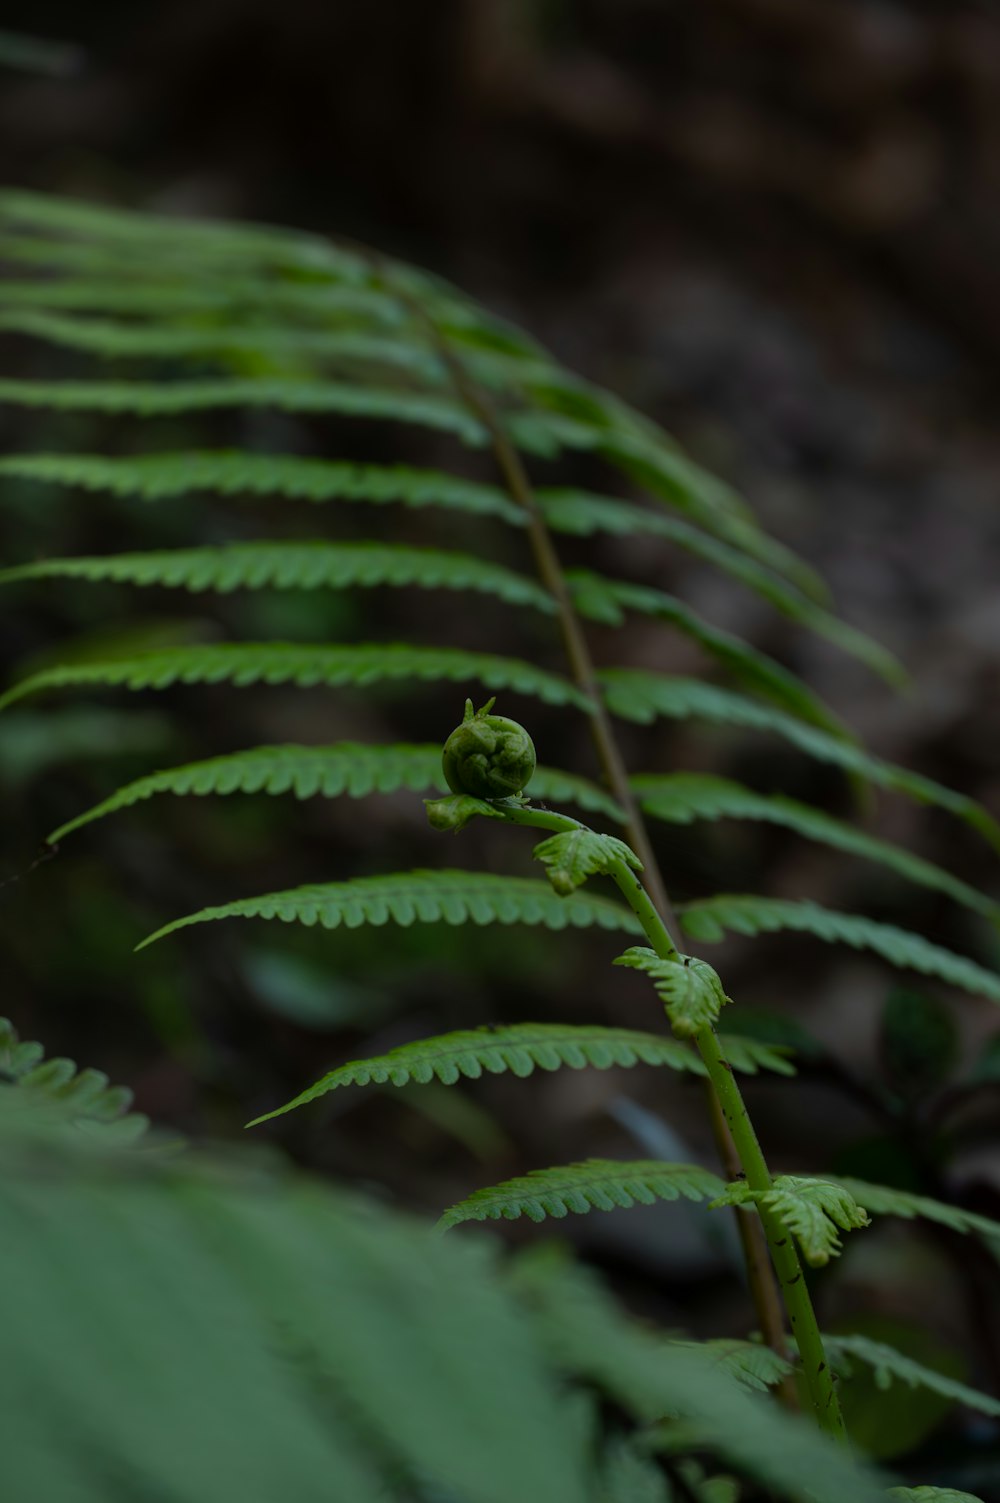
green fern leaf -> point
(264, 245)
(243, 663)
(83, 1094)
(163, 340)
(885, 1200)
(653, 460)
(748, 1055)
(637, 695)
(425, 897)
(709, 918)
(582, 513)
(812, 1209)
(689, 988)
(518, 1049)
(931, 1495)
(606, 600)
(346, 768)
(597, 1184)
(628, 1475)
(119, 338)
(174, 295)
(888, 1364)
(574, 855)
(652, 1377)
(303, 566)
(756, 1366)
(153, 399)
(254, 1304)
(521, 1047)
(353, 344)
(681, 798)
(157, 477)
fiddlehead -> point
(488, 756)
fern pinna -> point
(211, 320)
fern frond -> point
(652, 1377)
(518, 1049)
(888, 1364)
(243, 663)
(353, 343)
(635, 694)
(173, 293)
(582, 513)
(574, 855)
(681, 798)
(425, 897)
(689, 989)
(606, 601)
(302, 566)
(707, 919)
(157, 477)
(886, 1200)
(161, 235)
(926, 1494)
(254, 1305)
(346, 768)
(86, 1094)
(672, 478)
(597, 1184)
(121, 339)
(748, 1055)
(166, 398)
(812, 1209)
(757, 1367)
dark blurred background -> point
(774, 225)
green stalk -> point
(817, 1375)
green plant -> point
(273, 320)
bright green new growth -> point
(689, 988)
(488, 756)
(813, 1209)
(573, 856)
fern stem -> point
(817, 1374)
(756, 1254)
(734, 1133)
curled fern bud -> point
(488, 756)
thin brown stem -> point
(574, 642)
(753, 1240)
